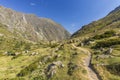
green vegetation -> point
(28, 70)
(106, 65)
(25, 60)
(114, 69)
(71, 68)
(22, 59)
(107, 43)
(107, 34)
(99, 37)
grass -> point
(11, 67)
(107, 67)
(67, 55)
(26, 67)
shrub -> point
(97, 52)
(17, 78)
(114, 69)
(39, 78)
(14, 57)
(53, 45)
(27, 46)
(105, 35)
(84, 71)
(11, 53)
(27, 70)
(71, 68)
(107, 43)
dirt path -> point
(87, 62)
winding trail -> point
(87, 62)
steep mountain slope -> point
(96, 57)
(102, 38)
(110, 22)
(32, 27)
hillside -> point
(102, 38)
(22, 59)
(31, 27)
(92, 53)
(110, 22)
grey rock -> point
(52, 68)
(46, 58)
(50, 71)
(6, 53)
(81, 44)
(33, 53)
(1, 35)
(59, 64)
(109, 51)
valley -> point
(29, 50)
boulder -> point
(81, 44)
(46, 58)
(59, 64)
(6, 53)
(109, 51)
(1, 35)
(52, 69)
(34, 53)
(17, 53)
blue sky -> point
(72, 14)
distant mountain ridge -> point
(32, 27)
(110, 22)
(116, 9)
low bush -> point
(71, 68)
(14, 57)
(114, 69)
(84, 71)
(105, 35)
(97, 52)
(11, 53)
(107, 43)
(27, 70)
(16, 79)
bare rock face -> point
(32, 27)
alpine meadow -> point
(42, 48)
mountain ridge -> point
(32, 27)
(102, 25)
(116, 9)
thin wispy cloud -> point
(32, 4)
(73, 25)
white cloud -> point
(73, 25)
(32, 4)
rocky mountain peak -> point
(32, 27)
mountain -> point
(92, 53)
(102, 38)
(110, 22)
(116, 9)
(31, 27)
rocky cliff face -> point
(32, 27)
